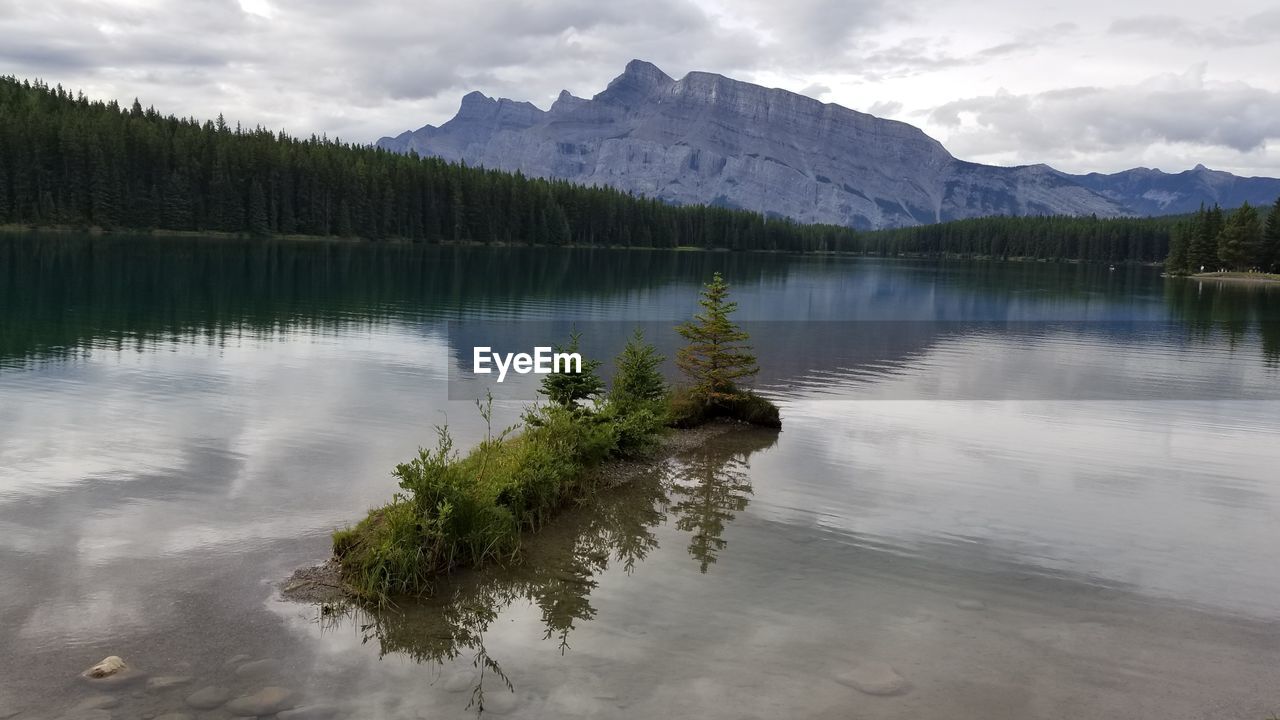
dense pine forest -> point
(1055, 237)
(68, 161)
(1240, 240)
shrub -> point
(456, 511)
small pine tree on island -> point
(568, 389)
(638, 380)
(716, 360)
(717, 355)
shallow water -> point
(1030, 490)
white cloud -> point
(362, 70)
(1068, 124)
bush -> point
(457, 511)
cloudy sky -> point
(1083, 85)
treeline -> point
(1240, 240)
(1051, 237)
(66, 160)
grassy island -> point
(459, 510)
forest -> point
(69, 161)
(1239, 240)
(66, 160)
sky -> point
(1089, 85)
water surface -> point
(1032, 490)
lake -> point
(1002, 490)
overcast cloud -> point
(1088, 85)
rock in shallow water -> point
(309, 712)
(875, 678)
(111, 665)
(208, 698)
(164, 682)
(267, 701)
(259, 668)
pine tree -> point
(1240, 239)
(259, 225)
(1179, 247)
(1269, 256)
(568, 389)
(717, 356)
(638, 381)
(1202, 254)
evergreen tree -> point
(638, 381)
(1202, 254)
(1240, 240)
(568, 388)
(258, 223)
(1179, 247)
(1269, 255)
(717, 356)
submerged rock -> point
(208, 698)
(309, 712)
(267, 701)
(95, 714)
(111, 665)
(875, 678)
(165, 682)
(258, 668)
(97, 702)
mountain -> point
(1150, 192)
(707, 139)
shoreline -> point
(323, 584)
(95, 231)
(1237, 277)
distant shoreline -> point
(94, 231)
(1239, 277)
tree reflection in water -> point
(702, 488)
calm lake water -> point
(1033, 491)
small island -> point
(458, 511)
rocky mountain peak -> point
(710, 139)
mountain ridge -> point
(708, 139)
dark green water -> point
(1032, 490)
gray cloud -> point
(362, 70)
(1255, 29)
(885, 108)
(1166, 109)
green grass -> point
(467, 510)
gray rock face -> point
(708, 139)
